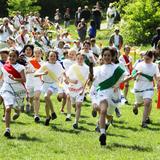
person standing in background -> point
(78, 16)
(86, 14)
(67, 18)
(156, 38)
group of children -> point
(29, 74)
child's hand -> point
(11, 77)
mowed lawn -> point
(126, 140)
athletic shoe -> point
(15, 116)
(102, 139)
(127, 103)
(94, 113)
(118, 113)
(54, 116)
(68, 119)
(75, 125)
(135, 110)
(37, 119)
(148, 121)
(144, 125)
(47, 121)
(7, 134)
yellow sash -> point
(52, 75)
(79, 75)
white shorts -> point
(76, 99)
(50, 87)
(140, 96)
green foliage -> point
(24, 6)
(140, 20)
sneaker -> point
(118, 113)
(135, 110)
(7, 134)
(94, 113)
(144, 125)
(15, 116)
(126, 102)
(97, 129)
(27, 108)
(148, 121)
(102, 139)
(37, 119)
(47, 121)
(54, 116)
(68, 119)
(75, 125)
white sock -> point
(75, 121)
(68, 115)
(102, 131)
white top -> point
(5, 34)
(55, 68)
(141, 82)
(67, 63)
(60, 52)
(89, 55)
(96, 50)
(20, 41)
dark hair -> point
(150, 54)
(20, 59)
(30, 46)
(126, 46)
(107, 49)
(47, 56)
(86, 42)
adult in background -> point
(111, 14)
(82, 29)
(67, 18)
(97, 16)
(156, 38)
(116, 40)
(92, 29)
(86, 14)
(78, 16)
(57, 16)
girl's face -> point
(107, 57)
(28, 52)
(13, 57)
(4, 56)
(147, 59)
(52, 57)
(80, 59)
(86, 47)
(72, 55)
(38, 53)
(127, 50)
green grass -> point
(126, 140)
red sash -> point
(35, 63)
(11, 70)
(127, 61)
(158, 101)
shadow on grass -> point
(91, 124)
(24, 137)
(127, 128)
(71, 131)
(119, 122)
(155, 124)
(20, 123)
(116, 135)
(131, 147)
(153, 129)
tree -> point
(140, 20)
(24, 6)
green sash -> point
(110, 82)
(86, 60)
(150, 78)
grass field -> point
(126, 140)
